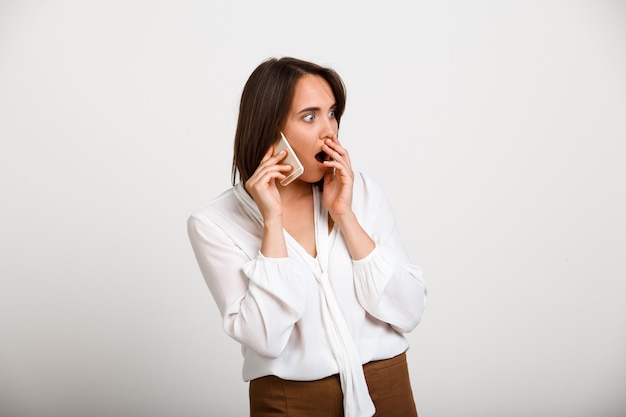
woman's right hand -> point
(262, 184)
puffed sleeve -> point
(259, 298)
(387, 284)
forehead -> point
(313, 90)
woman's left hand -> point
(338, 180)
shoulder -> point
(367, 185)
(230, 211)
(227, 221)
(367, 191)
(216, 208)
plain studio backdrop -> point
(497, 128)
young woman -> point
(311, 278)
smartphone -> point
(291, 159)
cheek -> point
(302, 147)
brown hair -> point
(264, 107)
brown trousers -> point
(387, 381)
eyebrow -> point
(316, 109)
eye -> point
(309, 117)
(332, 113)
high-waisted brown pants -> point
(387, 381)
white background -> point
(498, 129)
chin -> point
(312, 177)
(312, 180)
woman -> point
(311, 278)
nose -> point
(329, 129)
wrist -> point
(345, 219)
(273, 243)
(358, 241)
(273, 222)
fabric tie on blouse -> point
(356, 398)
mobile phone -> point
(291, 159)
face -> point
(310, 121)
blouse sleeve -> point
(257, 298)
(387, 284)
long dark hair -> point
(264, 107)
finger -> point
(337, 153)
(337, 166)
(268, 154)
(334, 141)
(335, 146)
(261, 186)
(270, 158)
(271, 163)
(264, 174)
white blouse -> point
(304, 318)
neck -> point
(295, 191)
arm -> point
(262, 187)
(388, 285)
(257, 299)
(337, 197)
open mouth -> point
(323, 156)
